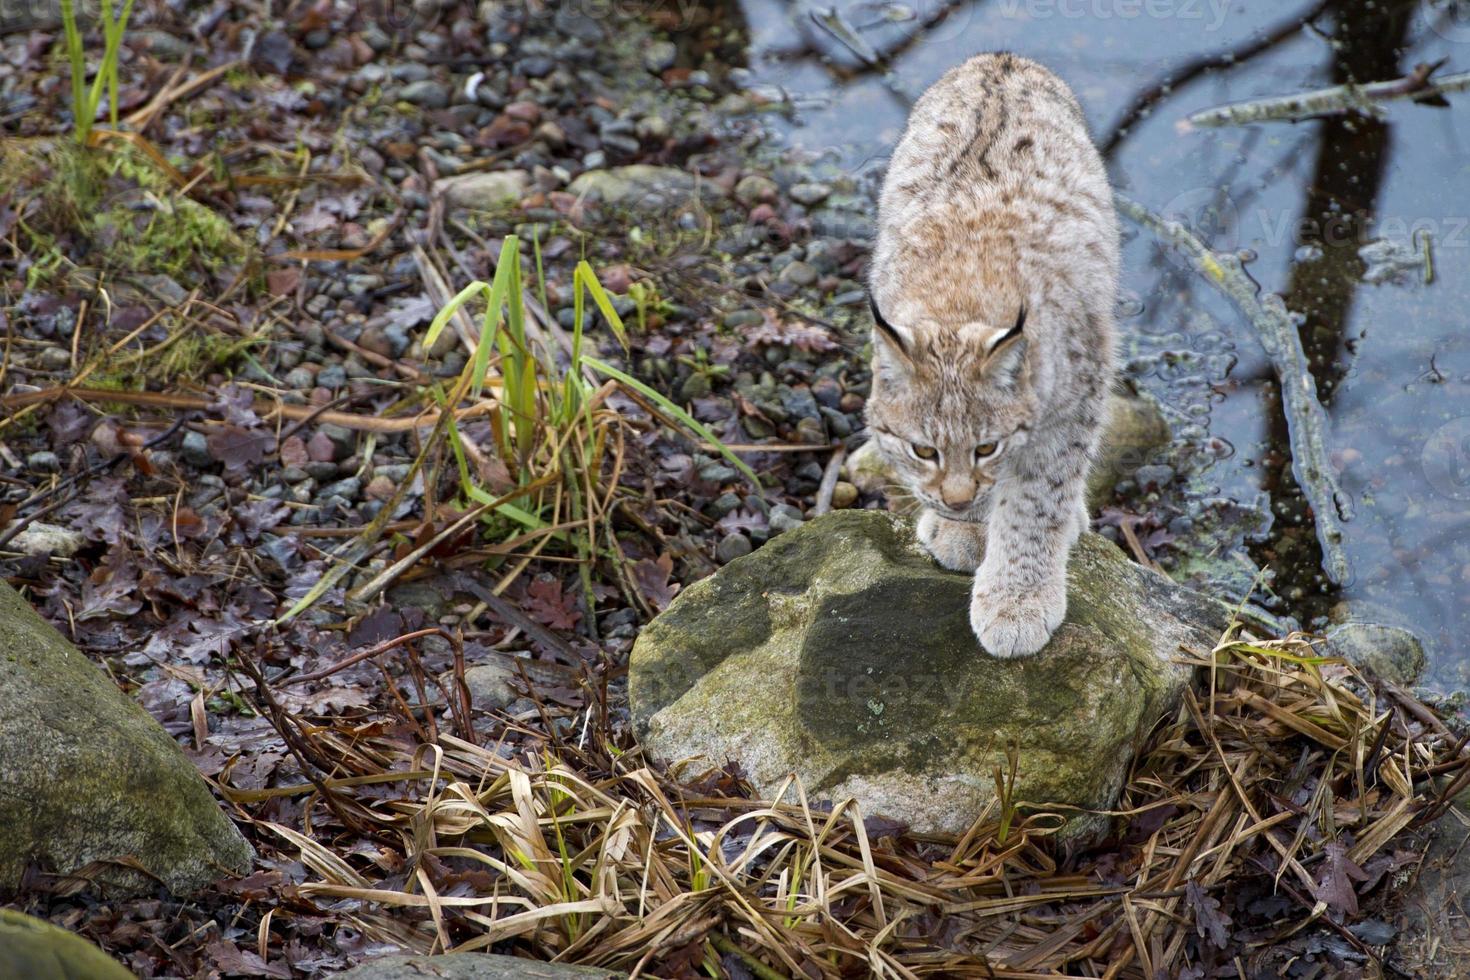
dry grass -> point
(1285, 766)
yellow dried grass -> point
(595, 857)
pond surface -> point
(1335, 215)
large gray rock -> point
(87, 775)
(470, 966)
(842, 653)
(36, 950)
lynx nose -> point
(957, 494)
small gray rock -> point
(799, 274)
(695, 386)
(195, 449)
(733, 545)
(660, 56)
(810, 194)
(755, 188)
(1154, 477)
(55, 359)
(344, 440)
(652, 128)
(742, 318)
(1388, 652)
(492, 686)
(332, 376)
(347, 489)
(428, 93)
(723, 504)
(536, 66)
(44, 461)
(785, 517)
(299, 379)
(374, 37)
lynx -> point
(993, 282)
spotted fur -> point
(996, 215)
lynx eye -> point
(926, 453)
(986, 449)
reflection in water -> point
(1326, 270)
(1391, 359)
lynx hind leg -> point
(957, 545)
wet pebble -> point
(1154, 477)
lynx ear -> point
(1010, 335)
(1005, 358)
(892, 346)
(891, 334)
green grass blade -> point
(441, 319)
(584, 276)
(683, 417)
(80, 120)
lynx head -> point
(948, 406)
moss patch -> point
(109, 211)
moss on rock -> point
(37, 950)
(87, 775)
(841, 653)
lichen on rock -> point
(843, 654)
(88, 775)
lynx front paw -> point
(957, 545)
(1013, 624)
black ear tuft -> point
(1015, 331)
(885, 326)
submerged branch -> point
(1330, 101)
(1305, 419)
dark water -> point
(1314, 203)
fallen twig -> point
(829, 482)
(1366, 99)
(1306, 421)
